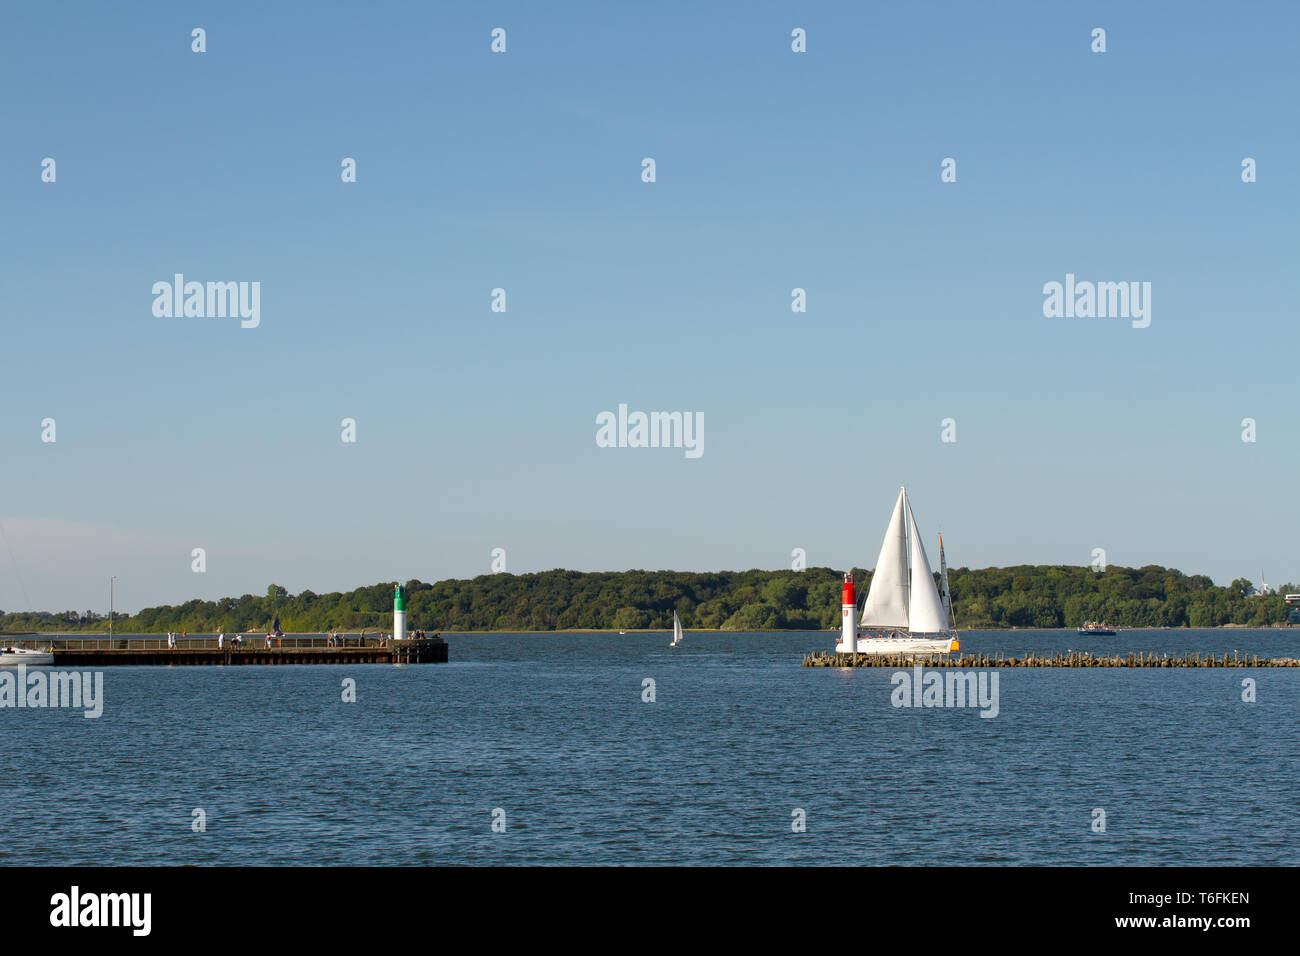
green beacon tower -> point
(399, 613)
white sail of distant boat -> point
(677, 630)
(903, 606)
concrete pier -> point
(1071, 659)
(192, 651)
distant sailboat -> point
(677, 630)
(903, 613)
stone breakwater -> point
(1072, 659)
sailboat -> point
(677, 630)
(903, 612)
(12, 656)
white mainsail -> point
(677, 630)
(925, 610)
(886, 604)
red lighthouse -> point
(849, 613)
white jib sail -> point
(925, 615)
(886, 604)
(677, 628)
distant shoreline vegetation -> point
(1027, 596)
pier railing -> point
(251, 642)
(153, 651)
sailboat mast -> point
(947, 595)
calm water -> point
(553, 730)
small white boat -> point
(13, 656)
(677, 630)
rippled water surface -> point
(552, 729)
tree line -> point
(754, 600)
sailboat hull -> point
(15, 656)
(900, 645)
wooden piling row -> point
(1069, 659)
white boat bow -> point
(13, 656)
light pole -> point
(110, 609)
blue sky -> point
(775, 170)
